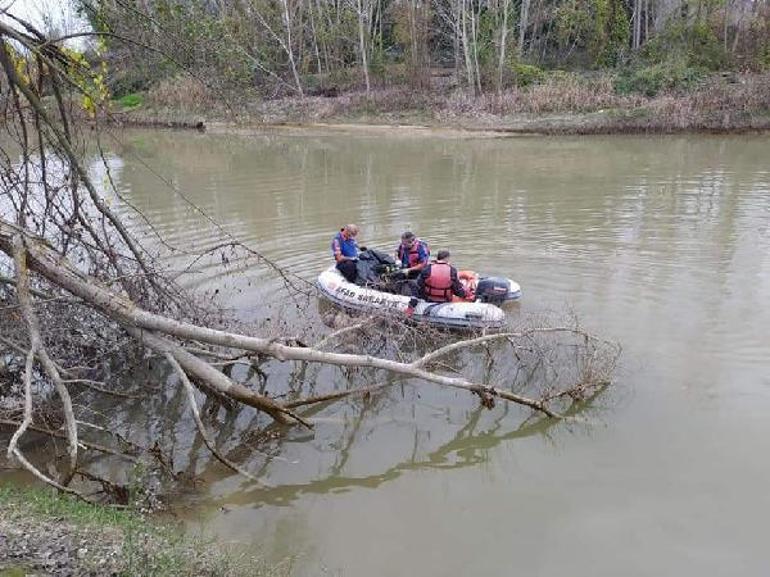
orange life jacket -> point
(438, 284)
(469, 280)
(412, 253)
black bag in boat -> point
(372, 265)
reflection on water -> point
(470, 446)
(660, 243)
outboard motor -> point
(494, 290)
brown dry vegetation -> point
(562, 103)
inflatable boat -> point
(481, 313)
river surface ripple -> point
(661, 243)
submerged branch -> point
(362, 391)
(85, 444)
(190, 392)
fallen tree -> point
(87, 291)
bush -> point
(526, 74)
(181, 93)
(662, 77)
(696, 45)
(559, 92)
(569, 92)
(132, 100)
(127, 78)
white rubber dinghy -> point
(348, 295)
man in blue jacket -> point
(345, 251)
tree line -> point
(322, 46)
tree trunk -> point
(466, 47)
(362, 44)
(475, 33)
(289, 48)
(523, 22)
(315, 37)
(637, 21)
(503, 42)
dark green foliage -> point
(124, 80)
(591, 33)
(675, 60)
(696, 45)
(527, 74)
(573, 26)
(655, 78)
(610, 34)
(177, 33)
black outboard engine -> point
(494, 290)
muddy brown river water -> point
(660, 243)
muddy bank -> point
(634, 121)
(47, 535)
(559, 107)
(55, 547)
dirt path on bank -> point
(597, 123)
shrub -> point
(180, 92)
(526, 74)
(661, 77)
(610, 34)
(696, 45)
(559, 92)
(127, 78)
(570, 92)
(132, 100)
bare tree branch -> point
(38, 349)
(199, 423)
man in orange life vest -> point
(413, 254)
(438, 281)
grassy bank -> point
(42, 533)
(564, 103)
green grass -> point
(132, 100)
(43, 502)
(147, 546)
(13, 572)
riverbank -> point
(44, 534)
(567, 104)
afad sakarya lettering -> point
(367, 298)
